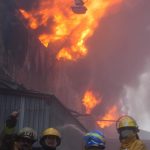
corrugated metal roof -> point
(36, 103)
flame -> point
(71, 30)
(109, 118)
(90, 101)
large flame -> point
(64, 27)
(90, 101)
(109, 118)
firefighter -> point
(25, 139)
(10, 140)
(94, 140)
(8, 135)
(128, 134)
(50, 139)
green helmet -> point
(28, 133)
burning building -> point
(46, 42)
(86, 60)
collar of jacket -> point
(126, 143)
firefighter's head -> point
(94, 140)
(26, 137)
(50, 137)
(127, 127)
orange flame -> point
(90, 101)
(109, 118)
(71, 30)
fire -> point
(63, 26)
(33, 23)
(90, 101)
(109, 118)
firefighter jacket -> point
(132, 143)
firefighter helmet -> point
(94, 139)
(28, 133)
(126, 122)
(51, 132)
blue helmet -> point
(94, 139)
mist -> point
(68, 132)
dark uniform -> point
(8, 136)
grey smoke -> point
(136, 99)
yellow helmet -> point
(126, 121)
(51, 132)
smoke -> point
(118, 52)
(121, 50)
(136, 100)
